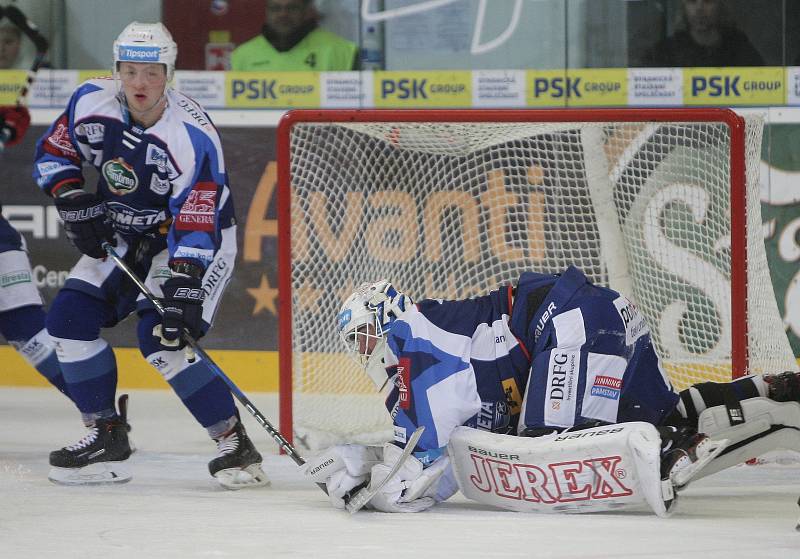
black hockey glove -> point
(86, 223)
(183, 311)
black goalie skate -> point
(95, 458)
(684, 452)
(238, 463)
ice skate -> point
(238, 463)
(684, 453)
(96, 458)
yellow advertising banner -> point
(11, 83)
(734, 86)
(84, 75)
(422, 89)
(273, 90)
(602, 87)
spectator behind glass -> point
(292, 40)
(705, 37)
(10, 43)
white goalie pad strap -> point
(604, 468)
(768, 426)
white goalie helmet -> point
(364, 321)
(146, 42)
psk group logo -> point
(557, 88)
(254, 90)
(734, 86)
(428, 89)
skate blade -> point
(240, 478)
(101, 473)
(706, 452)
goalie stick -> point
(30, 30)
(364, 495)
(284, 444)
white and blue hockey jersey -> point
(168, 179)
(555, 351)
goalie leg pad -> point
(599, 469)
(768, 426)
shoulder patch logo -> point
(158, 185)
(158, 157)
(198, 212)
(120, 176)
(403, 382)
(59, 143)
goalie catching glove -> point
(343, 468)
(412, 489)
(346, 468)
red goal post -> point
(645, 164)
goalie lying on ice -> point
(536, 397)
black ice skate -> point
(95, 458)
(783, 387)
(684, 452)
(238, 463)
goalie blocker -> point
(611, 467)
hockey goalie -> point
(545, 395)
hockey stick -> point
(357, 501)
(30, 30)
(244, 400)
(363, 496)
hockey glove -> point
(183, 310)
(85, 222)
(14, 122)
(411, 488)
(343, 468)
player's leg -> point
(22, 317)
(756, 414)
(204, 394)
(24, 329)
(93, 297)
(781, 387)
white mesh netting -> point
(454, 209)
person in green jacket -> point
(291, 41)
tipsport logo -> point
(128, 53)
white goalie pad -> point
(768, 426)
(604, 468)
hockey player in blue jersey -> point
(22, 315)
(162, 198)
(550, 354)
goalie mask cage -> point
(660, 204)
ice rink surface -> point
(173, 508)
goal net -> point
(659, 204)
